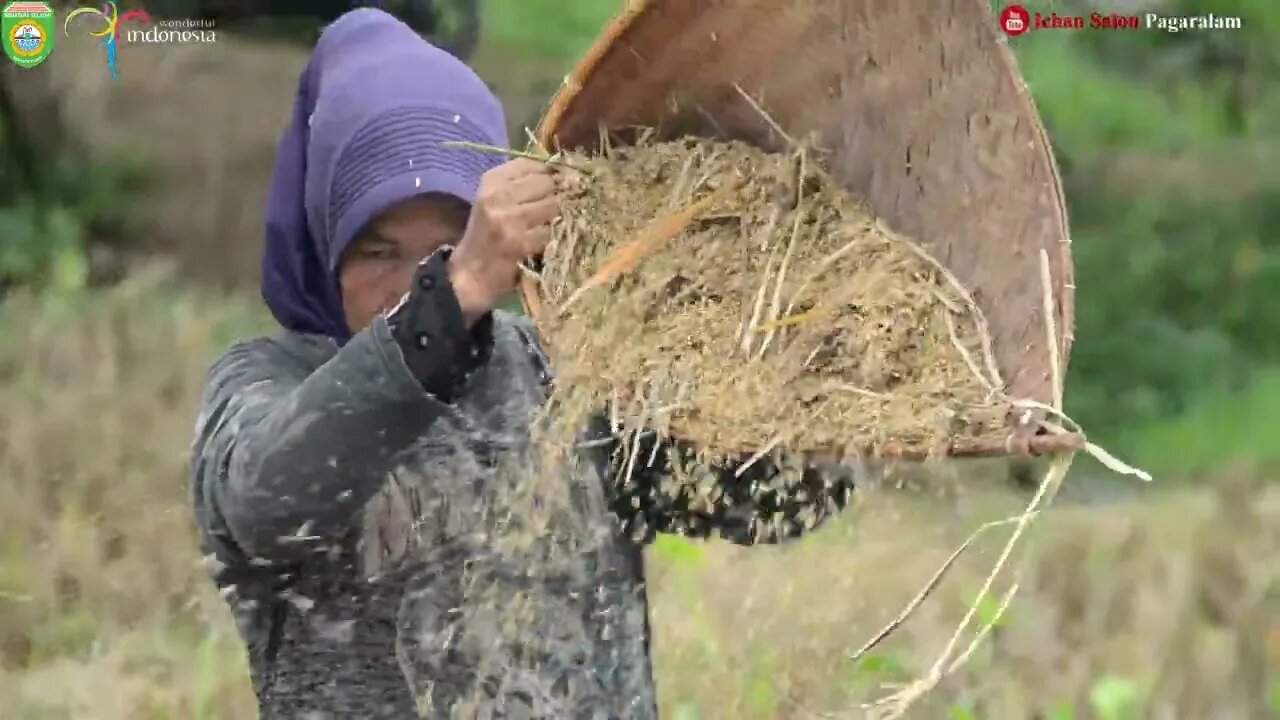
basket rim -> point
(573, 83)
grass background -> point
(1159, 602)
(1165, 606)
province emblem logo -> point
(28, 32)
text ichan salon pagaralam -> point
(1016, 20)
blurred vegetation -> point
(57, 207)
(1169, 145)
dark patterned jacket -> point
(355, 508)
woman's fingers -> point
(540, 213)
(531, 187)
(517, 168)
(535, 226)
(510, 220)
(535, 240)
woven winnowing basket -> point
(921, 109)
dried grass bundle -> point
(741, 300)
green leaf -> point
(1063, 711)
(687, 712)
(678, 552)
(1114, 698)
(70, 270)
(988, 611)
(878, 664)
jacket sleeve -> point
(285, 456)
(666, 491)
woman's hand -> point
(510, 223)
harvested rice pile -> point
(742, 301)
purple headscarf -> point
(374, 104)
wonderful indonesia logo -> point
(109, 27)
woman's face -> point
(378, 268)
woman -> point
(342, 470)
